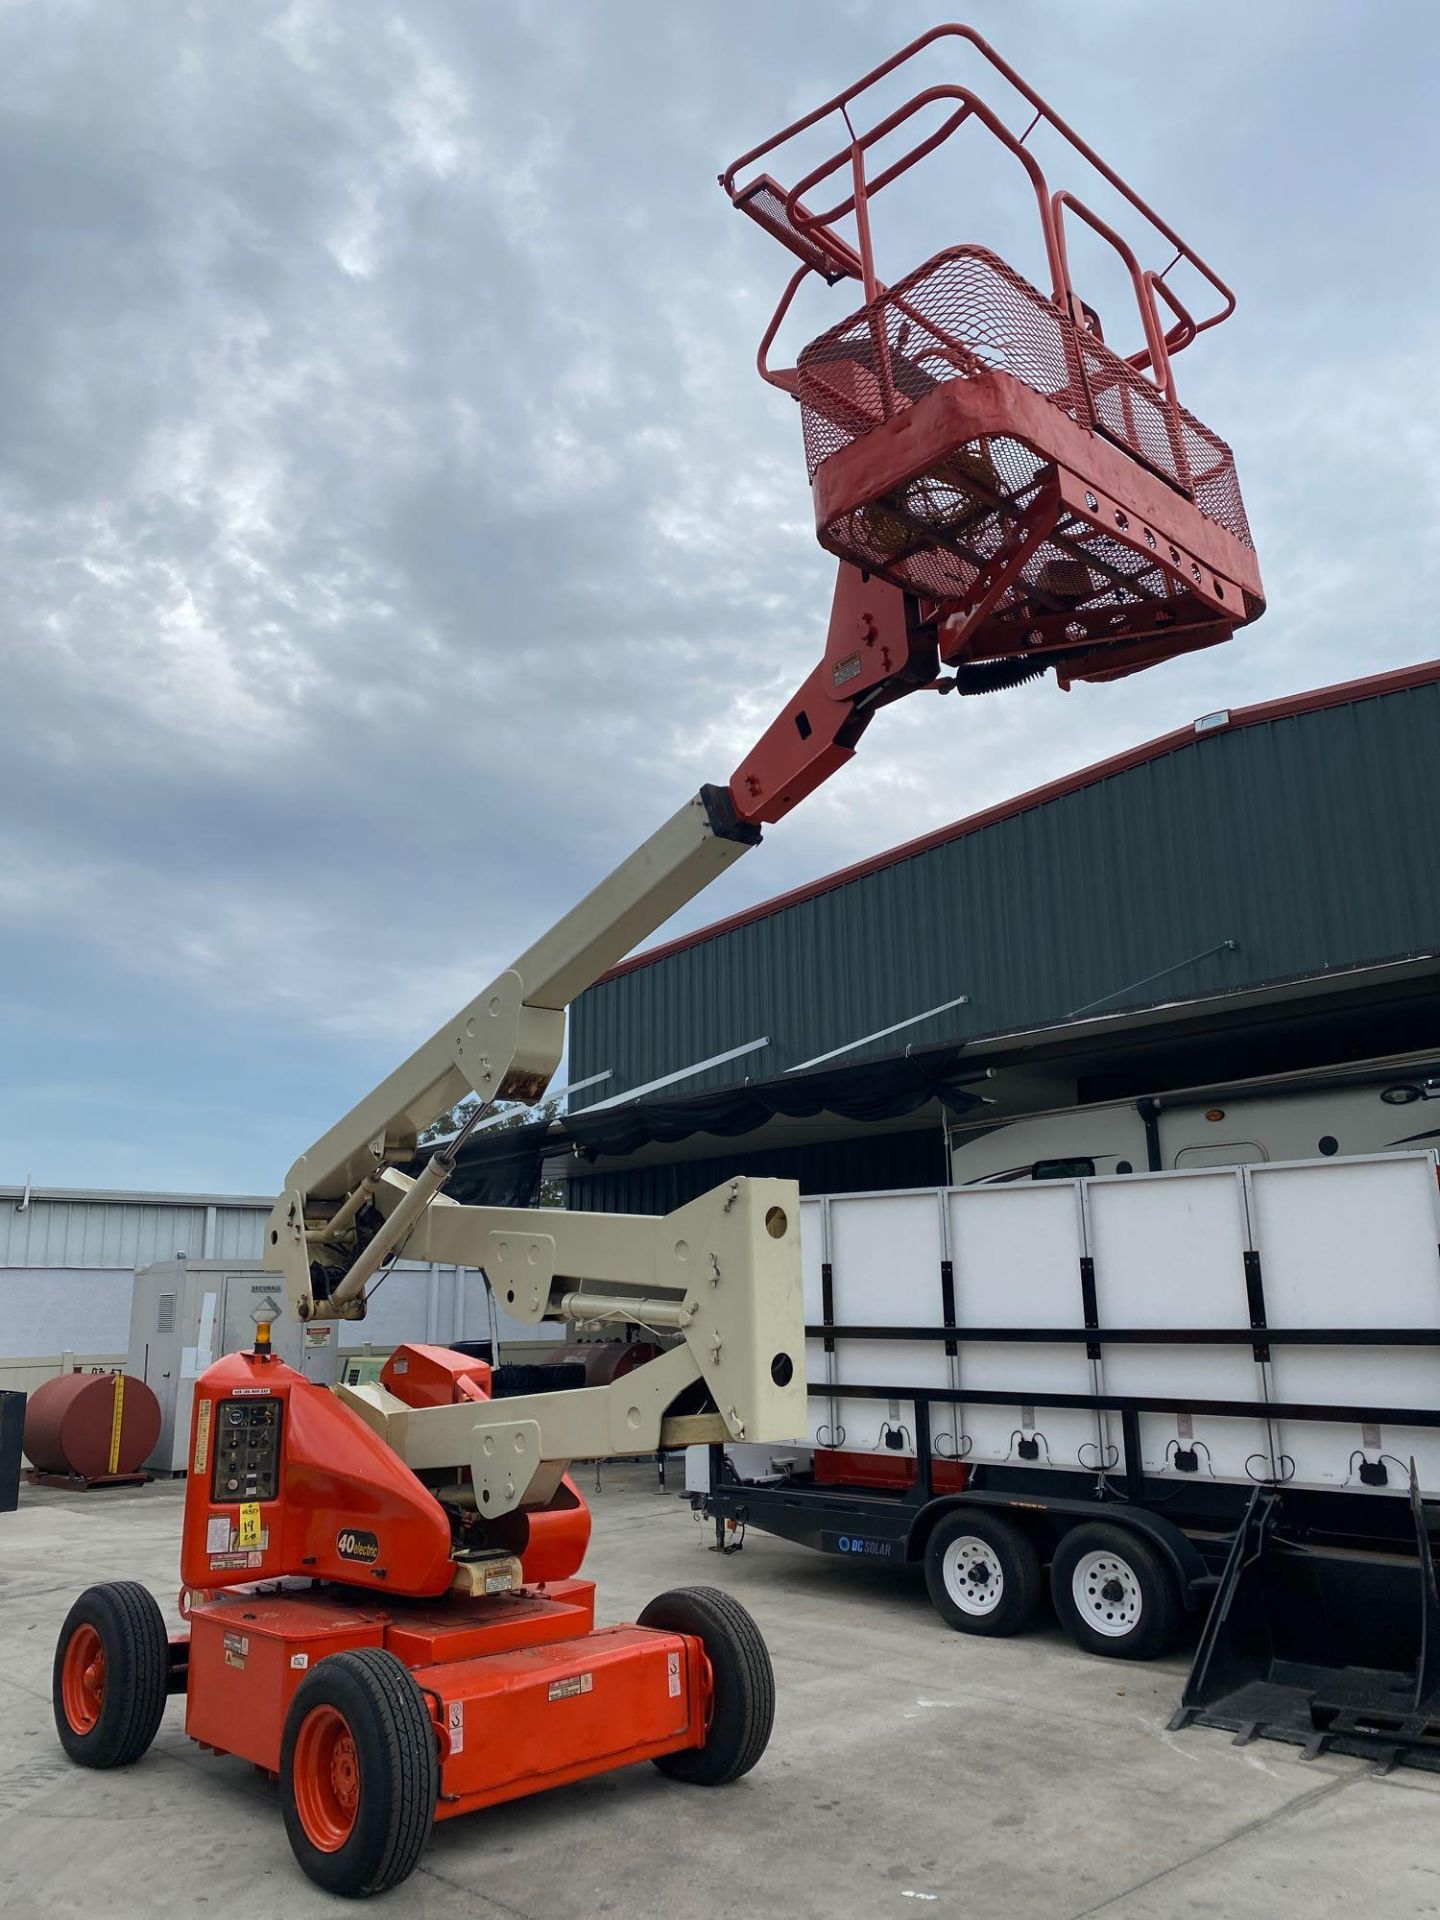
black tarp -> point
(502, 1167)
(496, 1169)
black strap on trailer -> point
(947, 1304)
(1255, 1295)
(1325, 1411)
(1143, 1336)
(1089, 1304)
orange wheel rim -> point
(325, 1776)
(82, 1679)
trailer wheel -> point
(1114, 1593)
(983, 1574)
(108, 1684)
(358, 1772)
(743, 1708)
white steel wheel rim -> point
(1107, 1594)
(973, 1576)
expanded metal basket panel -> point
(936, 534)
(965, 311)
(764, 201)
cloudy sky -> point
(393, 528)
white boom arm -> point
(723, 1272)
(505, 1045)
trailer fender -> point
(1048, 1519)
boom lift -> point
(379, 1582)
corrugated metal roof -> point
(1302, 831)
(124, 1230)
(1343, 693)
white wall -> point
(44, 1310)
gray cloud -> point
(394, 529)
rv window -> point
(1062, 1170)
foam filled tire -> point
(743, 1707)
(983, 1574)
(1114, 1593)
(358, 1772)
(108, 1684)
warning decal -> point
(674, 1659)
(455, 1725)
(576, 1684)
(217, 1533)
(202, 1435)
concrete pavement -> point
(913, 1771)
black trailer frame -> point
(1361, 1559)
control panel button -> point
(247, 1451)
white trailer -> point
(1155, 1384)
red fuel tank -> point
(91, 1426)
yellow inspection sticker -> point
(249, 1524)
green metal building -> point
(1290, 842)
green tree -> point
(507, 1116)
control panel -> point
(247, 1450)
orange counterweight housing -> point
(435, 1376)
(285, 1481)
(523, 1691)
(288, 1485)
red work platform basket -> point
(975, 442)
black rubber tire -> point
(1158, 1621)
(1021, 1584)
(137, 1661)
(744, 1705)
(397, 1762)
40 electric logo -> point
(351, 1544)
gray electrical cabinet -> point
(185, 1313)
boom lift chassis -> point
(379, 1596)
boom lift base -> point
(340, 1612)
